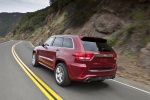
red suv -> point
(77, 58)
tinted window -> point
(67, 43)
(96, 46)
(49, 42)
(58, 42)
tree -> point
(58, 4)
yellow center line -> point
(35, 78)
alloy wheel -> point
(59, 75)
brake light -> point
(115, 56)
(83, 56)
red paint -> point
(80, 62)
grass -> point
(59, 19)
(129, 53)
(112, 41)
(146, 40)
(140, 15)
(60, 31)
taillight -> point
(83, 56)
(115, 56)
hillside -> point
(125, 23)
(8, 22)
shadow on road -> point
(85, 87)
(77, 85)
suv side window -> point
(67, 43)
(58, 42)
(49, 41)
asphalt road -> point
(16, 85)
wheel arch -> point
(33, 51)
(67, 74)
(60, 61)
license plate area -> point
(103, 60)
(103, 55)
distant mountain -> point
(8, 22)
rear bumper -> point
(89, 79)
(80, 72)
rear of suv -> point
(76, 58)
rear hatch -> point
(102, 56)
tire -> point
(34, 60)
(61, 75)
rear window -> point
(96, 45)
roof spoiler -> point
(93, 39)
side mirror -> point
(41, 44)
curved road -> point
(16, 85)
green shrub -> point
(129, 53)
(82, 13)
(112, 41)
(29, 21)
(140, 15)
(59, 4)
(128, 29)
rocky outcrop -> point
(107, 23)
(144, 57)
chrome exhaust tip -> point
(88, 80)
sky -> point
(22, 5)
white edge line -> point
(31, 44)
(7, 42)
(132, 87)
